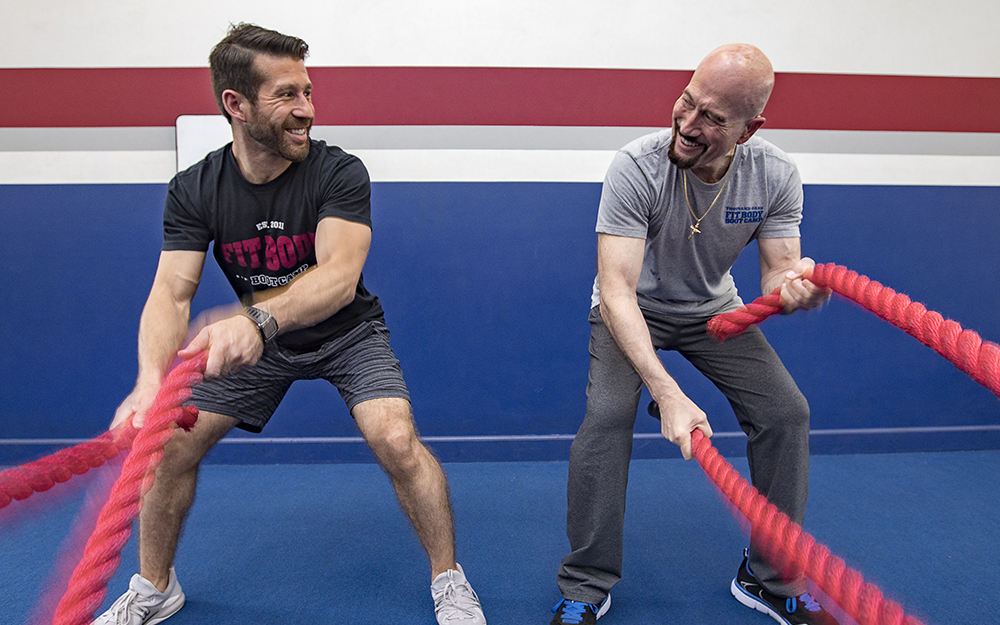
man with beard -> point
(677, 208)
(290, 220)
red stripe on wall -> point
(40, 98)
(500, 96)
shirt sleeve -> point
(626, 199)
(347, 192)
(184, 226)
(785, 213)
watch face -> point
(266, 323)
(269, 329)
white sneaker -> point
(455, 603)
(143, 604)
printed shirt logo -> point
(271, 254)
(744, 214)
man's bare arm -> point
(162, 327)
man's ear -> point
(752, 126)
(235, 104)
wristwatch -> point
(265, 322)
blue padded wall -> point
(486, 288)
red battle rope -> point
(964, 348)
(89, 581)
(21, 482)
(778, 534)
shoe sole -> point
(173, 610)
(753, 602)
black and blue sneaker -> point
(579, 613)
(801, 610)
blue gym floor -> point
(328, 544)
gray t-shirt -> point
(643, 198)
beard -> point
(675, 158)
(272, 138)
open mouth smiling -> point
(689, 143)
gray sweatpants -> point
(770, 409)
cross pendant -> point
(694, 229)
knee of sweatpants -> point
(784, 416)
(793, 415)
(605, 429)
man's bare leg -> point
(166, 505)
(416, 475)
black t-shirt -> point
(264, 234)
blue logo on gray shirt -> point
(744, 214)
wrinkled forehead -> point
(727, 91)
(713, 96)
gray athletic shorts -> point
(360, 364)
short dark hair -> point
(232, 59)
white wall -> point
(916, 37)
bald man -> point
(677, 208)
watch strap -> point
(266, 323)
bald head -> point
(719, 109)
(740, 74)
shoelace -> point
(573, 611)
(807, 601)
(447, 603)
(810, 602)
(126, 606)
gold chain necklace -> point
(697, 219)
